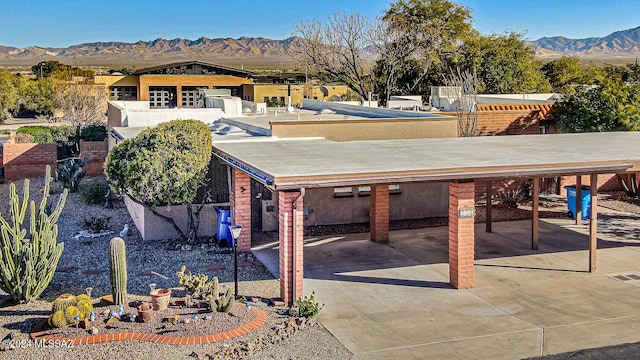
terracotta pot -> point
(145, 316)
(160, 298)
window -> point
(190, 96)
(123, 93)
(341, 192)
(162, 97)
(366, 190)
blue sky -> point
(62, 23)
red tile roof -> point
(543, 108)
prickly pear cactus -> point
(118, 270)
(29, 253)
(70, 172)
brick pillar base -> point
(290, 235)
(241, 207)
(461, 234)
(379, 214)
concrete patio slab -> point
(393, 300)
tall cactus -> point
(29, 260)
(118, 269)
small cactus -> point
(63, 302)
(221, 302)
(118, 270)
(71, 313)
(58, 319)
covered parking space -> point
(290, 166)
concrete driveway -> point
(393, 300)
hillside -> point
(619, 43)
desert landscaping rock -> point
(86, 254)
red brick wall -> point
(28, 160)
(461, 235)
(290, 281)
(606, 182)
(97, 153)
(379, 213)
(507, 122)
(241, 207)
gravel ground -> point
(91, 254)
(87, 254)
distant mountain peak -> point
(624, 42)
(241, 47)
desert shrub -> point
(308, 307)
(95, 224)
(24, 138)
(510, 198)
(165, 165)
(93, 132)
(94, 192)
(41, 134)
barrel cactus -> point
(63, 302)
(58, 319)
(71, 313)
(85, 308)
(118, 270)
(29, 253)
(84, 297)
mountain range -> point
(626, 42)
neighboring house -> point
(177, 85)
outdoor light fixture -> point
(235, 234)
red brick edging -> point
(256, 323)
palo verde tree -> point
(164, 166)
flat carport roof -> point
(292, 164)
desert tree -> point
(338, 49)
(393, 48)
(164, 166)
(465, 85)
(434, 28)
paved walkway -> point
(394, 301)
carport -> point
(290, 166)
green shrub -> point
(41, 134)
(94, 192)
(308, 307)
(24, 138)
(93, 132)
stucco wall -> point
(415, 201)
(367, 129)
(152, 227)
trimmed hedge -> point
(41, 134)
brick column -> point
(290, 235)
(379, 213)
(241, 207)
(461, 234)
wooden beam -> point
(488, 210)
(535, 204)
(593, 223)
(578, 199)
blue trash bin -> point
(223, 233)
(586, 201)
